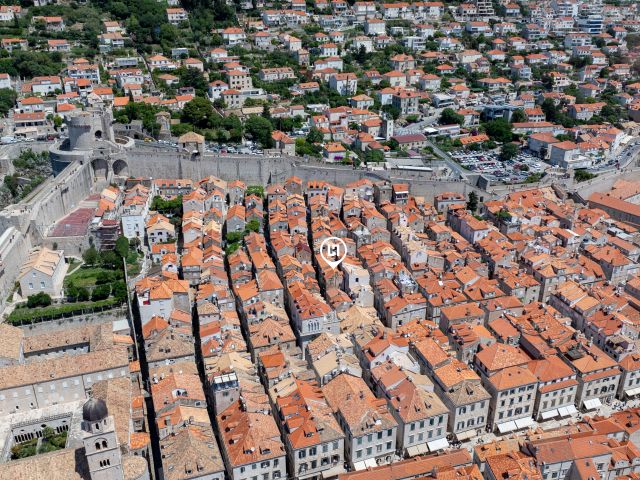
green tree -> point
(194, 78)
(260, 130)
(122, 246)
(518, 116)
(499, 130)
(393, 112)
(315, 136)
(101, 292)
(449, 117)
(83, 294)
(252, 226)
(266, 113)
(11, 182)
(39, 300)
(120, 290)
(508, 151)
(8, 98)
(303, 147)
(109, 259)
(472, 203)
(257, 190)
(233, 237)
(373, 156)
(72, 292)
(582, 175)
(198, 112)
(361, 55)
(90, 256)
(104, 276)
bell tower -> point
(100, 442)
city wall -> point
(262, 170)
(78, 321)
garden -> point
(49, 442)
(95, 286)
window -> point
(41, 284)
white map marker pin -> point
(333, 250)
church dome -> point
(94, 410)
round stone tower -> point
(90, 134)
(88, 127)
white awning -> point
(563, 411)
(359, 466)
(370, 462)
(419, 449)
(524, 422)
(572, 409)
(333, 472)
(423, 448)
(466, 435)
(507, 427)
(632, 392)
(592, 403)
(438, 444)
(550, 414)
(412, 451)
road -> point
(417, 127)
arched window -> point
(97, 445)
(104, 443)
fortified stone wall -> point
(14, 250)
(155, 163)
(53, 200)
(78, 321)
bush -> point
(252, 226)
(582, 175)
(234, 237)
(83, 294)
(28, 315)
(90, 256)
(120, 290)
(101, 292)
(39, 300)
(109, 259)
(104, 276)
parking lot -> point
(250, 148)
(489, 164)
